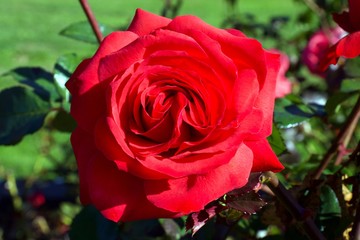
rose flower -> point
(171, 115)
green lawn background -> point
(29, 28)
(29, 37)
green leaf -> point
(289, 112)
(63, 122)
(21, 112)
(64, 67)
(276, 141)
(89, 224)
(38, 79)
(330, 207)
(333, 103)
(142, 229)
(82, 31)
(350, 85)
(352, 67)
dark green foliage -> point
(21, 112)
(89, 224)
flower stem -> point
(293, 207)
(91, 18)
(342, 138)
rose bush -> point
(171, 115)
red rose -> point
(348, 46)
(171, 114)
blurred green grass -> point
(29, 36)
(29, 29)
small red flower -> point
(317, 48)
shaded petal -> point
(119, 195)
(354, 7)
(343, 21)
(84, 150)
(191, 194)
(349, 21)
(264, 157)
(266, 97)
(89, 106)
(145, 22)
(190, 164)
(330, 57)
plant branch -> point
(341, 139)
(91, 18)
(293, 206)
(355, 156)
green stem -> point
(293, 206)
(91, 18)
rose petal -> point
(113, 146)
(84, 150)
(191, 194)
(119, 195)
(266, 97)
(264, 157)
(190, 163)
(236, 32)
(145, 46)
(354, 7)
(243, 94)
(348, 46)
(231, 44)
(89, 106)
(82, 81)
(87, 94)
(145, 22)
